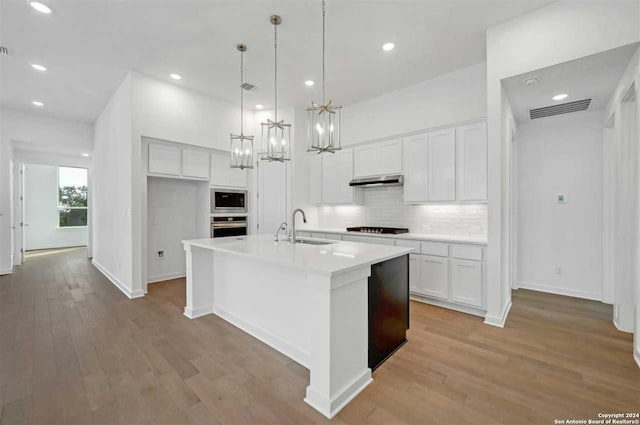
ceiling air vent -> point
(249, 87)
(563, 108)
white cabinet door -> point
(442, 165)
(466, 282)
(164, 159)
(223, 175)
(416, 158)
(414, 273)
(434, 276)
(314, 166)
(390, 157)
(471, 162)
(238, 177)
(366, 160)
(219, 169)
(195, 163)
(344, 192)
(330, 179)
(337, 172)
(334, 236)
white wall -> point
(453, 97)
(41, 211)
(561, 154)
(172, 208)
(113, 195)
(43, 139)
(563, 31)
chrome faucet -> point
(293, 223)
(283, 226)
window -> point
(72, 197)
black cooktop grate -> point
(378, 230)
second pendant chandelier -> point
(276, 135)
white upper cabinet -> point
(314, 164)
(442, 165)
(164, 159)
(471, 162)
(223, 175)
(337, 172)
(378, 158)
(195, 163)
(416, 177)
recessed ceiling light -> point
(85, 154)
(560, 96)
(37, 103)
(309, 83)
(388, 46)
(176, 76)
(40, 7)
(259, 106)
(38, 67)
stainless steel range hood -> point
(376, 181)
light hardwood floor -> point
(74, 350)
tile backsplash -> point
(384, 206)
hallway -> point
(75, 350)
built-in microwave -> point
(228, 201)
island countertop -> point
(327, 259)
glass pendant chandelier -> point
(324, 119)
(241, 145)
(276, 135)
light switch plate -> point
(561, 198)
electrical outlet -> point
(559, 271)
(160, 255)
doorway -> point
(52, 207)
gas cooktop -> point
(379, 230)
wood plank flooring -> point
(74, 350)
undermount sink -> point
(314, 242)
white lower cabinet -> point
(466, 282)
(434, 276)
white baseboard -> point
(289, 350)
(498, 321)
(331, 407)
(560, 291)
(446, 304)
(6, 271)
(198, 312)
(116, 281)
(636, 357)
(167, 276)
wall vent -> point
(563, 108)
(249, 87)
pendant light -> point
(324, 119)
(276, 135)
(241, 145)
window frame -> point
(60, 208)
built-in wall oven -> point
(228, 201)
(228, 226)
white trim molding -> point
(560, 291)
(167, 276)
(6, 271)
(116, 281)
(636, 357)
(331, 407)
(498, 321)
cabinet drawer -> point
(409, 244)
(303, 234)
(435, 248)
(334, 237)
(466, 252)
(319, 235)
(368, 239)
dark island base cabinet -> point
(388, 308)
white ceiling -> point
(89, 46)
(593, 76)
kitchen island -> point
(307, 300)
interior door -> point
(272, 195)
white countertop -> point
(329, 259)
(413, 236)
